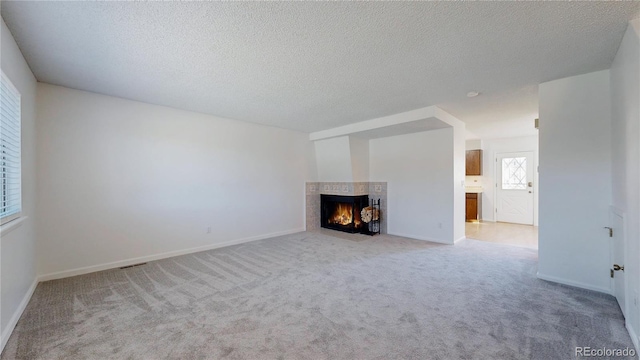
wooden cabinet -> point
(474, 207)
(474, 162)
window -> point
(10, 168)
(514, 173)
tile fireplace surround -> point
(375, 190)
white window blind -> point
(10, 167)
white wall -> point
(492, 147)
(359, 158)
(575, 180)
(473, 144)
(120, 179)
(625, 135)
(333, 159)
(459, 171)
(342, 159)
(419, 171)
(17, 247)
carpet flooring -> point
(312, 295)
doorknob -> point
(530, 184)
(617, 267)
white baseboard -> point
(6, 332)
(573, 283)
(420, 238)
(117, 264)
(634, 336)
(462, 238)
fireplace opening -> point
(343, 212)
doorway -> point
(507, 191)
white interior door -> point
(514, 187)
(617, 244)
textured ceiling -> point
(316, 65)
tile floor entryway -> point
(503, 233)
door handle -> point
(530, 184)
(610, 230)
(617, 267)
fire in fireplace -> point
(343, 212)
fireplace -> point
(373, 214)
(342, 213)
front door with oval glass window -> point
(514, 195)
